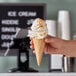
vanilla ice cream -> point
(38, 29)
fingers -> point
(50, 50)
(49, 39)
(31, 44)
(34, 52)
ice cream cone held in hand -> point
(38, 32)
(39, 48)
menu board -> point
(16, 16)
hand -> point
(53, 45)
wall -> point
(53, 6)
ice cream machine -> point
(22, 44)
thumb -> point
(49, 39)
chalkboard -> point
(15, 16)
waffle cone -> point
(39, 48)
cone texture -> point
(39, 48)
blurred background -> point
(52, 8)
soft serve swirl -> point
(38, 29)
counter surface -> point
(38, 74)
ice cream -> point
(38, 32)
